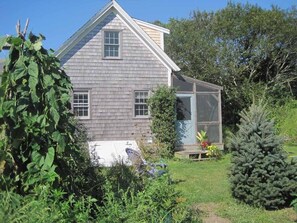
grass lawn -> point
(205, 186)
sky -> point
(57, 20)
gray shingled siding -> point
(112, 82)
(1, 65)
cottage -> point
(114, 62)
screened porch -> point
(198, 108)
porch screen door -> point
(185, 124)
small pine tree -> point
(260, 172)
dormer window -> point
(112, 44)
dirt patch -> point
(207, 211)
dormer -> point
(155, 32)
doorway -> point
(185, 123)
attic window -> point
(112, 44)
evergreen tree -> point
(260, 173)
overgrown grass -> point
(206, 183)
(291, 150)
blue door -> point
(185, 124)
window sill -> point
(83, 118)
(112, 58)
(142, 117)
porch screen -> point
(207, 107)
(213, 131)
(208, 115)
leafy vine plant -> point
(35, 117)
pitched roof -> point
(132, 24)
(152, 26)
(193, 80)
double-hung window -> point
(81, 103)
(140, 103)
(112, 48)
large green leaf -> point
(21, 107)
(56, 136)
(3, 41)
(37, 46)
(36, 156)
(65, 98)
(32, 84)
(20, 70)
(48, 81)
(49, 159)
(55, 115)
(33, 80)
(50, 95)
(56, 76)
(33, 69)
(17, 41)
(7, 105)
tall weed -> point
(157, 202)
(285, 117)
(44, 206)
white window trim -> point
(120, 44)
(89, 102)
(134, 104)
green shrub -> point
(214, 152)
(153, 151)
(260, 173)
(121, 176)
(44, 205)
(162, 109)
(157, 202)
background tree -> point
(260, 172)
(249, 51)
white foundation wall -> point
(107, 153)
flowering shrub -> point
(213, 151)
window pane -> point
(140, 106)
(111, 44)
(212, 130)
(182, 85)
(111, 51)
(207, 107)
(81, 103)
(183, 108)
(205, 88)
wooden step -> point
(197, 155)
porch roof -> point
(185, 83)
